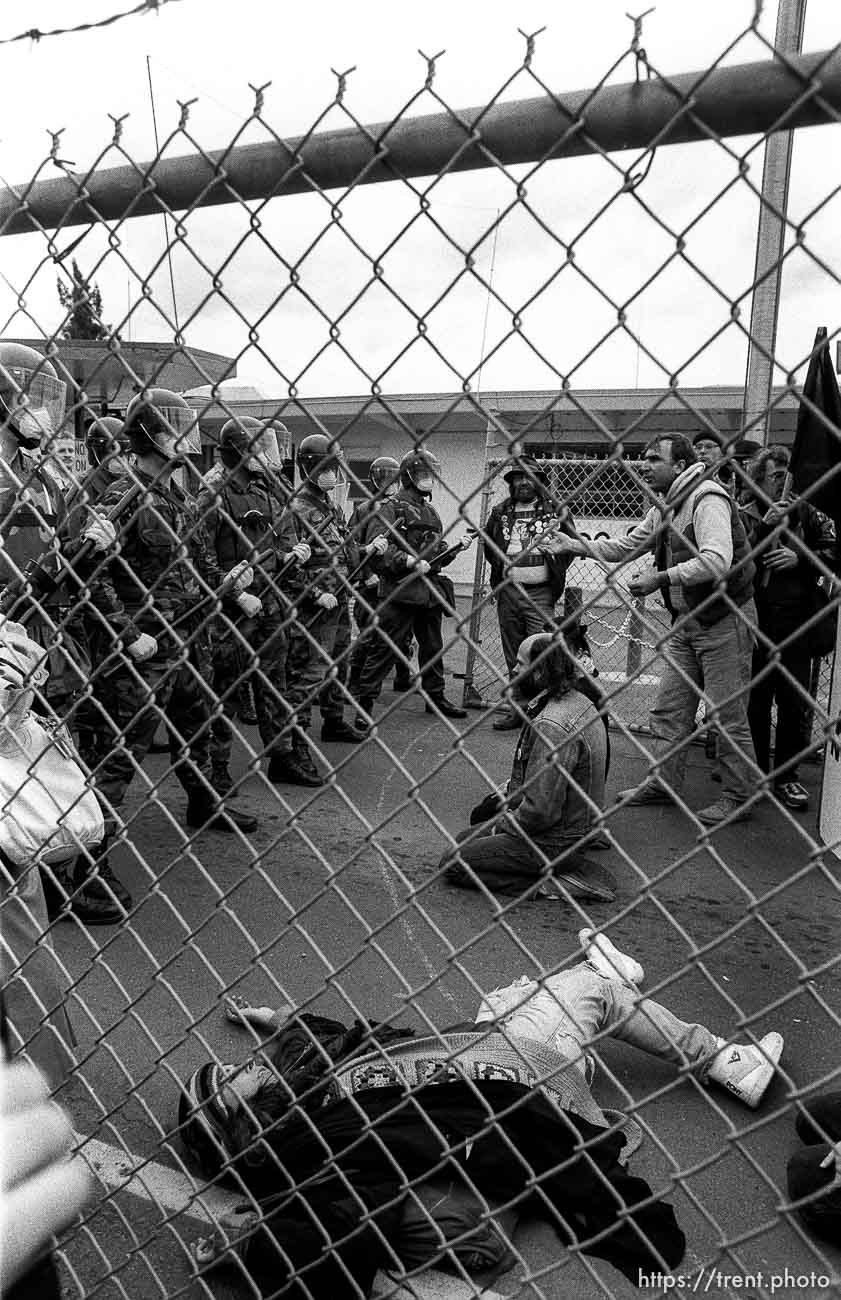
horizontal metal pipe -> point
(752, 98)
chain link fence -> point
(312, 1043)
(606, 500)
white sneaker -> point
(608, 960)
(746, 1071)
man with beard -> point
(526, 581)
(531, 840)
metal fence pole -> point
(471, 699)
(770, 245)
(751, 98)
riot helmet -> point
(32, 397)
(108, 445)
(419, 469)
(249, 443)
(160, 421)
(320, 461)
(526, 479)
(384, 475)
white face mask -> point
(425, 484)
(392, 489)
(35, 424)
(327, 481)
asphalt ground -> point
(336, 904)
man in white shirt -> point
(705, 573)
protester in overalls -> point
(526, 580)
(244, 518)
(413, 592)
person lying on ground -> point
(814, 1174)
(511, 1091)
(535, 840)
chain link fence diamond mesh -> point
(315, 1037)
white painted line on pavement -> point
(174, 1192)
(177, 1193)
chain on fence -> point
(356, 1002)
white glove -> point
(467, 540)
(420, 567)
(143, 648)
(101, 532)
(327, 601)
(239, 577)
(249, 604)
(378, 546)
(302, 552)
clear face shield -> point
(178, 435)
(340, 490)
(264, 453)
(427, 474)
(35, 404)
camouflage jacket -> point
(242, 521)
(161, 567)
(321, 525)
(413, 528)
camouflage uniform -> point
(151, 581)
(90, 722)
(409, 604)
(312, 638)
(33, 526)
(361, 526)
(240, 522)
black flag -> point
(816, 453)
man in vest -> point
(705, 574)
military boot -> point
(208, 813)
(295, 766)
(222, 781)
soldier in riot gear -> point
(411, 587)
(384, 477)
(35, 530)
(319, 590)
(159, 580)
(109, 457)
(244, 515)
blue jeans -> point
(566, 1011)
(710, 665)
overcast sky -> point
(211, 50)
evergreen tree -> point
(83, 301)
